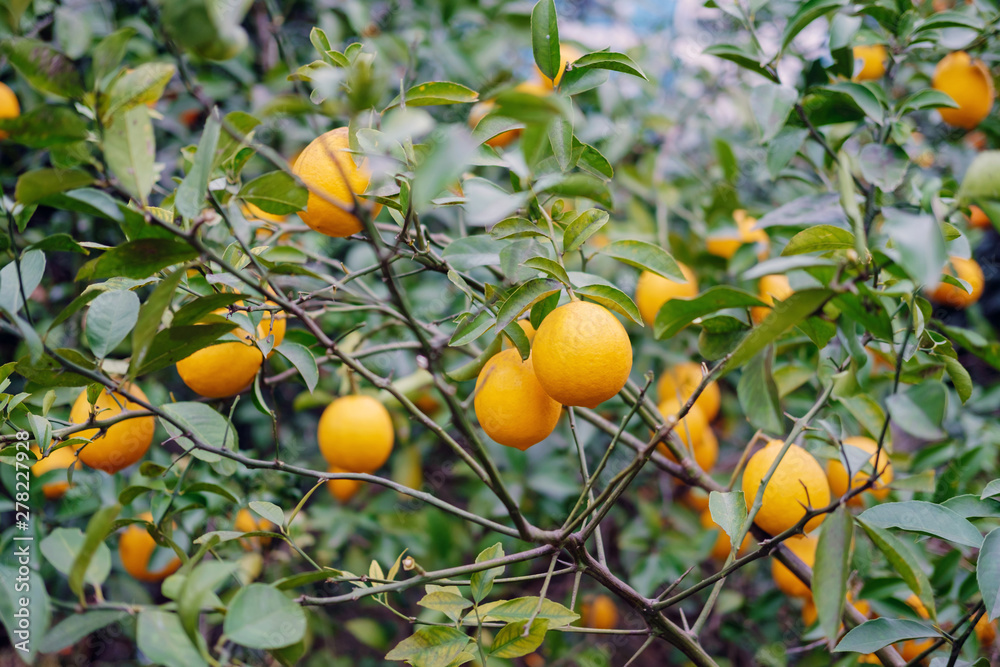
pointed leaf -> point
(926, 518)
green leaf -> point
(36, 185)
(304, 361)
(862, 97)
(866, 410)
(141, 258)
(678, 313)
(959, 377)
(873, 635)
(526, 295)
(77, 626)
(545, 38)
(269, 511)
(209, 487)
(447, 602)
(982, 178)
(276, 193)
(903, 562)
(470, 252)
(758, 393)
(805, 14)
(203, 423)
(925, 518)
(821, 238)
(282, 623)
(45, 68)
(237, 125)
(110, 319)
(61, 547)
(928, 98)
(46, 126)
(513, 641)
(97, 530)
(771, 106)
(785, 315)
(647, 257)
(592, 160)
(830, 572)
(560, 131)
(992, 489)
(142, 85)
(190, 197)
(130, 150)
(434, 93)
(472, 328)
(110, 51)
(150, 316)
(521, 609)
(13, 588)
(435, 646)
(516, 228)
(162, 640)
(577, 185)
(741, 57)
(941, 20)
(729, 512)
(613, 299)
(549, 267)
(19, 279)
(988, 573)
(481, 582)
(198, 588)
(583, 227)
(920, 410)
(885, 166)
(609, 60)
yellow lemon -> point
(956, 297)
(872, 57)
(343, 489)
(679, 382)
(770, 288)
(355, 433)
(797, 483)
(804, 547)
(226, 368)
(653, 290)
(125, 442)
(59, 459)
(581, 354)
(978, 218)
(567, 54)
(135, 548)
(9, 106)
(511, 405)
(254, 213)
(329, 171)
(725, 243)
(837, 473)
(695, 432)
(970, 84)
(247, 522)
(599, 612)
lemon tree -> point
(445, 333)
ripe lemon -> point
(837, 473)
(679, 382)
(803, 546)
(581, 354)
(9, 106)
(770, 288)
(956, 297)
(355, 433)
(246, 522)
(599, 612)
(227, 368)
(872, 57)
(136, 546)
(978, 218)
(529, 332)
(567, 54)
(720, 550)
(970, 84)
(695, 432)
(799, 481)
(482, 109)
(59, 459)
(124, 443)
(252, 213)
(318, 168)
(343, 489)
(653, 290)
(911, 649)
(986, 632)
(725, 243)
(511, 405)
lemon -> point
(837, 473)
(581, 354)
(123, 443)
(653, 290)
(59, 459)
(956, 297)
(695, 432)
(327, 168)
(9, 106)
(725, 243)
(567, 54)
(970, 84)
(343, 489)
(227, 368)
(769, 288)
(355, 433)
(135, 548)
(978, 218)
(511, 405)
(872, 59)
(679, 382)
(803, 546)
(720, 550)
(529, 332)
(246, 522)
(797, 483)
(599, 612)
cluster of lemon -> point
(581, 355)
